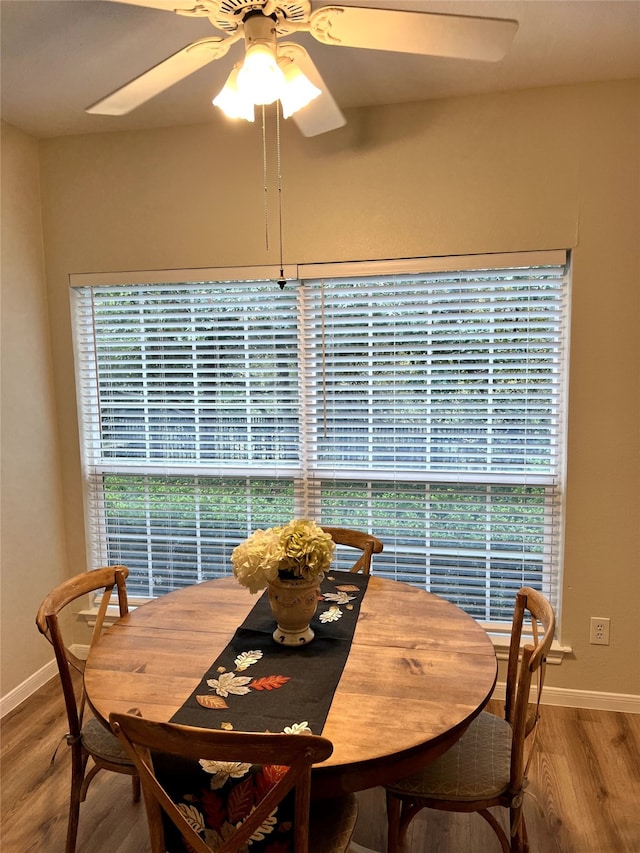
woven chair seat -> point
(100, 742)
(477, 767)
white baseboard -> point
(14, 697)
(627, 703)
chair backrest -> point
(291, 754)
(359, 540)
(531, 606)
(48, 622)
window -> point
(424, 405)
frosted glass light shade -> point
(232, 102)
(260, 80)
(298, 90)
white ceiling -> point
(59, 56)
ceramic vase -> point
(293, 604)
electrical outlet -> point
(599, 631)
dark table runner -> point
(259, 685)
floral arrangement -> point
(299, 549)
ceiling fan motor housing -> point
(228, 15)
(260, 29)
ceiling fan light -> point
(260, 79)
(298, 90)
(231, 101)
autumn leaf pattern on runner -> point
(217, 796)
(269, 682)
(335, 599)
(223, 797)
(230, 684)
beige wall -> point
(33, 543)
(540, 169)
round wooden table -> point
(418, 672)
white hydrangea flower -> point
(300, 547)
(256, 560)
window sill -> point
(110, 617)
(500, 642)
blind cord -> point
(264, 181)
(281, 281)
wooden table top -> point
(418, 672)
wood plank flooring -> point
(584, 795)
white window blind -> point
(426, 407)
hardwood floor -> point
(584, 795)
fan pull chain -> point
(264, 180)
(281, 280)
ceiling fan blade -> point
(162, 76)
(454, 36)
(166, 5)
(322, 114)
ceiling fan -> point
(262, 23)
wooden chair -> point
(487, 766)
(358, 540)
(290, 754)
(88, 738)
